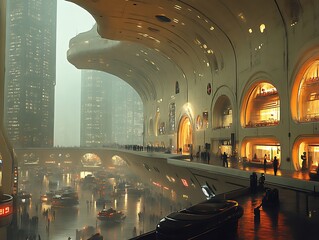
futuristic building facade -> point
(6, 153)
(228, 76)
(30, 72)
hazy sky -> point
(71, 20)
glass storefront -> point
(255, 149)
(306, 152)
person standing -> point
(275, 165)
(225, 162)
(265, 162)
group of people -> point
(275, 162)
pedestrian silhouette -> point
(225, 162)
(265, 162)
(275, 165)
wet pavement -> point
(296, 218)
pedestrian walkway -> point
(238, 164)
(298, 180)
(294, 180)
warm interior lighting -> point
(177, 7)
(262, 27)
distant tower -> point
(127, 114)
(96, 120)
(111, 111)
(30, 72)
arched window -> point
(262, 106)
(308, 95)
(222, 113)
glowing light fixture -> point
(262, 27)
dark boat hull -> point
(64, 202)
(205, 220)
(111, 220)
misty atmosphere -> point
(147, 120)
(62, 106)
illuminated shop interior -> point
(308, 145)
(185, 135)
(308, 95)
(254, 149)
(262, 106)
(225, 146)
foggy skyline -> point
(71, 20)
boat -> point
(65, 200)
(111, 215)
(47, 197)
(206, 220)
(214, 218)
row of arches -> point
(260, 108)
(255, 148)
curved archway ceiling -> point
(195, 37)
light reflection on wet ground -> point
(296, 218)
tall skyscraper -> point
(111, 111)
(30, 72)
(127, 114)
(95, 112)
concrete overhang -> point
(187, 41)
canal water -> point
(296, 218)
